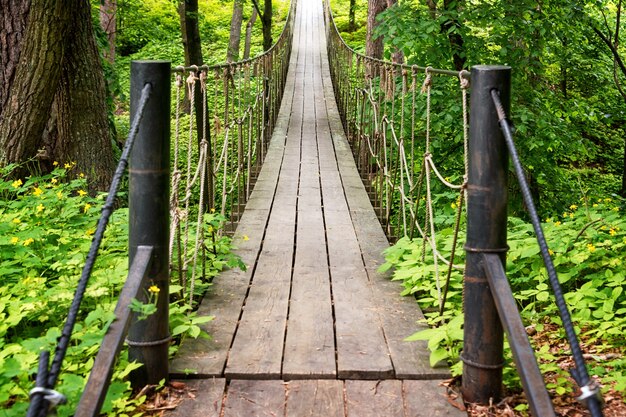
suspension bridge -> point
(311, 328)
(310, 152)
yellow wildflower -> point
(245, 237)
(571, 215)
(16, 183)
(154, 289)
(28, 241)
(212, 209)
(615, 208)
(67, 166)
(210, 229)
(37, 191)
(16, 221)
(573, 207)
(549, 220)
(590, 247)
(551, 252)
(82, 193)
(607, 200)
(90, 232)
(453, 205)
(55, 163)
(40, 208)
(54, 181)
(557, 223)
(59, 195)
(612, 232)
(81, 175)
(14, 240)
(86, 208)
(594, 205)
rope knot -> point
(428, 81)
(464, 80)
(203, 77)
(179, 81)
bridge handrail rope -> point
(374, 98)
(589, 388)
(43, 395)
(368, 89)
(224, 147)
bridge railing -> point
(399, 134)
(218, 146)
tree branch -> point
(614, 51)
(258, 10)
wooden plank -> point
(374, 399)
(204, 400)
(255, 398)
(315, 398)
(428, 399)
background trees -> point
(53, 92)
(568, 68)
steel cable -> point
(590, 391)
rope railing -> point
(400, 134)
(219, 146)
(43, 396)
(391, 121)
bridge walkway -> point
(311, 328)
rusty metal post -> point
(148, 339)
(486, 233)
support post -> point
(148, 339)
(486, 233)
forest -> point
(64, 117)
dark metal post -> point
(149, 218)
(486, 233)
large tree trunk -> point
(12, 30)
(83, 132)
(108, 11)
(248, 41)
(351, 16)
(58, 63)
(35, 81)
(235, 31)
(373, 45)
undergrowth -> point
(46, 227)
(588, 245)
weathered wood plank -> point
(255, 398)
(427, 399)
(374, 398)
(206, 396)
(315, 398)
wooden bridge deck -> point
(311, 305)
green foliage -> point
(588, 245)
(46, 227)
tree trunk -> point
(83, 134)
(30, 95)
(235, 31)
(397, 55)
(351, 16)
(188, 13)
(12, 29)
(267, 25)
(374, 46)
(249, 26)
(108, 11)
(59, 63)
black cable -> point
(580, 373)
(107, 210)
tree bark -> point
(373, 45)
(83, 134)
(12, 29)
(267, 25)
(30, 95)
(108, 11)
(235, 31)
(60, 85)
(188, 13)
(248, 41)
